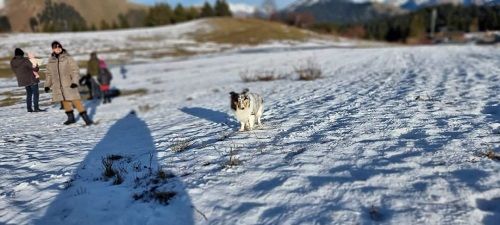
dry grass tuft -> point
(309, 71)
(108, 168)
(233, 160)
(263, 75)
(491, 155)
(181, 145)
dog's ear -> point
(245, 91)
(232, 93)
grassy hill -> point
(249, 31)
(20, 11)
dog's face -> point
(239, 101)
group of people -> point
(62, 79)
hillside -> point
(20, 11)
(250, 31)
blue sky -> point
(280, 3)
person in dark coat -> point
(92, 71)
(104, 79)
(24, 69)
(62, 78)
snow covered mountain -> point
(343, 11)
(402, 4)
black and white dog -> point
(248, 108)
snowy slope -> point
(389, 135)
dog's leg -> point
(251, 122)
(259, 114)
(242, 127)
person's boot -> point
(86, 118)
(71, 118)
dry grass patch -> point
(491, 155)
(12, 97)
(249, 32)
(181, 145)
(140, 92)
(263, 75)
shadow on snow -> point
(90, 198)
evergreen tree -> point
(33, 24)
(104, 25)
(179, 14)
(114, 25)
(417, 27)
(123, 22)
(136, 17)
(222, 8)
(159, 14)
(192, 13)
(60, 17)
(207, 10)
(5, 24)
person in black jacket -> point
(23, 69)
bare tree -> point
(269, 7)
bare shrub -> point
(310, 70)
(262, 75)
(118, 179)
(233, 160)
(108, 168)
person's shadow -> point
(121, 182)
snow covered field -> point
(388, 136)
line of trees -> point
(57, 17)
(417, 25)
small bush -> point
(309, 71)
